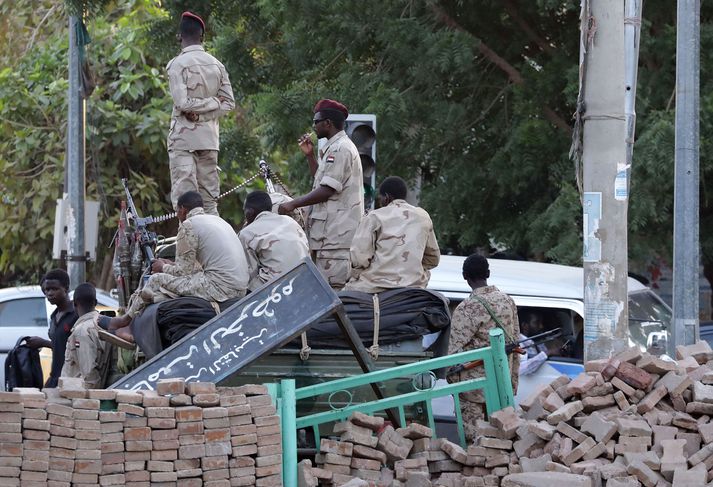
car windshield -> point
(649, 321)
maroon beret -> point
(193, 16)
(331, 105)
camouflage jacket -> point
(87, 356)
(196, 80)
(394, 246)
(273, 245)
(471, 324)
(207, 244)
(332, 224)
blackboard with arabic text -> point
(256, 325)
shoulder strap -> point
(492, 314)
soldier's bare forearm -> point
(313, 164)
(318, 195)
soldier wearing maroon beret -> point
(201, 93)
(337, 198)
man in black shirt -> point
(55, 286)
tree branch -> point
(512, 73)
(529, 32)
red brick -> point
(137, 434)
(189, 413)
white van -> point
(555, 294)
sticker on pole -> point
(592, 207)
(621, 182)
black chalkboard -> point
(257, 324)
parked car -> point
(554, 293)
(24, 311)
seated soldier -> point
(210, 264)
(86, 356)
(273, 243)
(394, 246)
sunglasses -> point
(318, 120)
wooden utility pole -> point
(605, 114)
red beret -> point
(193, 16)
(331, 105)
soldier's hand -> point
(285, 208)
(157, 265)
(306, 145)
(192, 117)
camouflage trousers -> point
(165, 286)
(471, 412)
(195, 171)
(334, 265)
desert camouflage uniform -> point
(470, 327)
(332, 224)
(394, 246)
(87, 356)
(273, 244)
(210, 264)
(196, 80)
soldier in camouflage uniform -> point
(337, 196)
(394, 246)
(86, 356)
(470, 327)
(273, 243)
(201, 93)
(210, 264)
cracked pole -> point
(606, 169)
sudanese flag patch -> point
(330, 158)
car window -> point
(649, 322)
(23, 312)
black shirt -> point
(60, 329)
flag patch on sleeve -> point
(330, 158)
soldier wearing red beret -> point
(337, 198)
(201, 93)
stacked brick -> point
(628, 421)
(179, 435)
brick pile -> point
(179, 435)
(628, 421)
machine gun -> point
(134, 248)
(515, 347)
(147, 240)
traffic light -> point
(361, 129)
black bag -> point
(23, 367)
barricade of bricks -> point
(183, 435)
(628, 421)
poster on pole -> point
(592, 207)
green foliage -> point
(471, 97)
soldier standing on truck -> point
(210, 264)
(486, 308)
(273, 243)
(337, 196)
(394, 246)
(201, 93)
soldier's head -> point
(392, 188)
(85, 298)
(255, 203)
(329, 117)
(186, 202)
(191, 29)
(55, 286)
(476, 271)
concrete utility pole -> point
(74, 160)
(605, 175)
(686, 258)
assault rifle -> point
(147, 240)
(515, 347)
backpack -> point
(23, 367)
